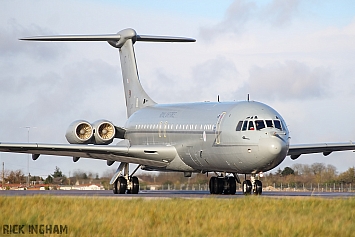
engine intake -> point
(104, 132)
(79, 132)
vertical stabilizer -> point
(136, 97)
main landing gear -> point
(225, 185)
(252, 186)
(125, 183)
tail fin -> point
(136, 97)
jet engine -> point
(102, 132)
(79, 132)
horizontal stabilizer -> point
(108, 37)
(163, 38)
(122, 35)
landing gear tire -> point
(120, 186)
(212, 182)
(135, 185)
(219, 185)
(115, 190)
(216, 185)
(258, 187)
(246, 187)
(232, 186)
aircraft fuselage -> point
(206, 135)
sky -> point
(296, 56)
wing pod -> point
(104, 132)
(79, 132)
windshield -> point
(259, 124)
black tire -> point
(258, 187)
(135, 185)
(220, 185)
(115, 189)
(232, 185)
(212, 183)
(121, 185)
(226, 191)
(247, 187)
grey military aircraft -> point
(224, 138)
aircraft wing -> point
(157, 156)
(326, 148)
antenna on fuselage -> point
(248, 97)
(218, 98)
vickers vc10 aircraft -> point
(227, 138)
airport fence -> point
(285, 187)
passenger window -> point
(239, 126)
(269, 123)
(259, 124)
(251, 125)
(277, 124)
(245, 125)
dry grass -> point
(248, 216)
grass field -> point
(248, 216)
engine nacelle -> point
(104, 132)
(79, 132)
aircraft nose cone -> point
(272, 147)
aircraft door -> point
(218, 127)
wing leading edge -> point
(297, 150)
(157, 156)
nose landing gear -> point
(252, 186)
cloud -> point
(279, 12)
(217, 76)
(10, 46)
(236, 16)
(242, 15)
(288, 80)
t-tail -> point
(136, 97)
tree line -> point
(314, 173)
(296, 174)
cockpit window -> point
(245, 125)
(251, 125)
(277, 124)
(239, 126)
(269, 123)
(259, 124)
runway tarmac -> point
(169, 194)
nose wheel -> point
(247, 187)
(258, 187)
(252, 186)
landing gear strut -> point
(125, 182)
(225, 185)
